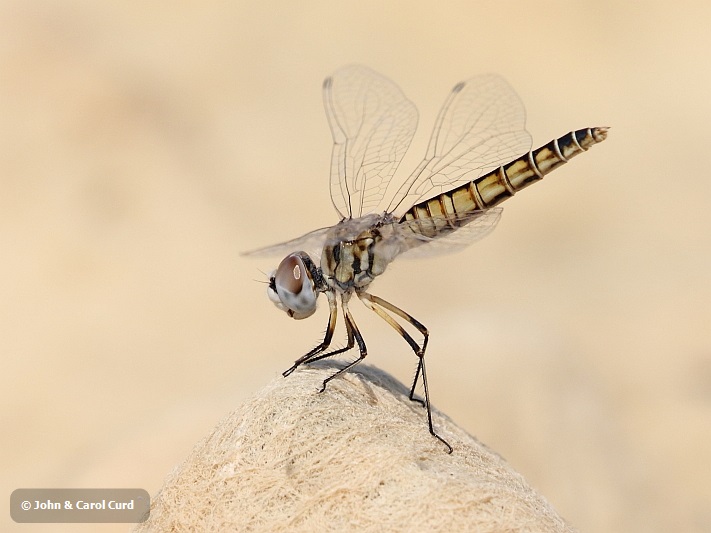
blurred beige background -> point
(144, 145)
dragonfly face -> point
(293, 286)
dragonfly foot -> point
(417, 400)
(289, 371)
(449, 448)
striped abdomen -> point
(449, 208)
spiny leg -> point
(353, 334)
(349, 332)
(353, 337)
(414, 384)
(416, 347)
(378, 305)
(332, 317)
(348, 346)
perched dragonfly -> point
(478, 156)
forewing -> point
(311, 243)
(480, 127)
(372, 123)
(474, 226)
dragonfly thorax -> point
(358, 250)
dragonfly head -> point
(292, 287)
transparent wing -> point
(372, 123)
(475, 226)
(480, 127)
(311, 243)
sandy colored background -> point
(144, 145)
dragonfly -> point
(479, 155)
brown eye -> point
(292, 287)
(288, 275)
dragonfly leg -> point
(371, 301)
(348, 346)
(312, 355)
(414, 385)
(354, 336)
(379, 306)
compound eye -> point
(294, 287)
